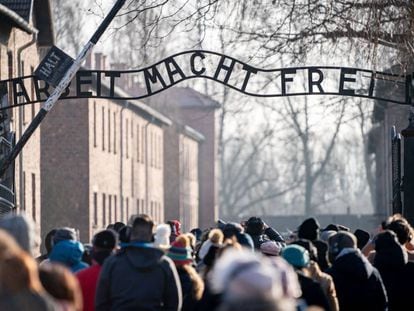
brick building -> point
(199, 112)
(26, 32)
(102, 161)
(181, 174)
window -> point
(126, 137)
(160, 151)
(122, 208)
(34, 197)
(94, 124)
(95, 208)
(114, 132)
(103, 210)
(151, 154)
(142, 144)
(137, 142)
(23, 204)
(109, 130)
(110, 208)
(115, 207)
(127, 209)
(103, 128)
(138, 208)
(132, 178)
(32, 93)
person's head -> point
(340, 241)
(270, 248)
(309, 229)
(388, 251)
(142, 228)
(125, 234)
(197, 233)
(49, 240)
(64, 234)
(18, 272)
(255, 226)
(22, 229)
(8, 245)
(362, 237)
(247, 281)
(104, 244)
(180, 251)
(296, 255)
(232, 229)
(162, 236)
(402, 228)
(308, 245)
(118, 226)
(61, 284)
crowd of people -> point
(245, 266)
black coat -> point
(138, 278)
(398, 278)
(358, 284)
(269, 234)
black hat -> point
(106, 239)
(362, 237)
(309, 229)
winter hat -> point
(125, 234)
(341, 240)
(21, 228)
(388, 251)
(309, 229)
(63, 234)
(162, 236)
(309, 246)
(215, 237)
(180, 251)
(296, 255)
(231, 228)
(270, 248)
(254, 226)
(175, 227)
(362, 237)
(106, 239)
(326, 234)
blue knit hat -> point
(296, 255)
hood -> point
(68, 252)
(143, 257)
(355, 265)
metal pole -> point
(67, 78)
(396, 171)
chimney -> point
(98, 61)
(103, 64)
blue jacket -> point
(69, 253)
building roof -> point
(23, 8)
(190, 132)
(15, 18)
(185, 97)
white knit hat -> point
(162, 236)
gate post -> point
(396, 171)
(408, 179)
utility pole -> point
(58, 69)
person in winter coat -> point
(191, 283)
(139, 276)
(358, 284)
(104, 245)
(69, 253)
(314, 272)
(310, 230)
(397, 273)
(312, 292)
(260, 232)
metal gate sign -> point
(294, 81)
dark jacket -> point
(138, 278)
(358, 284)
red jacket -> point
(88, 280)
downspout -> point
(20, 73)
(146, 163)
